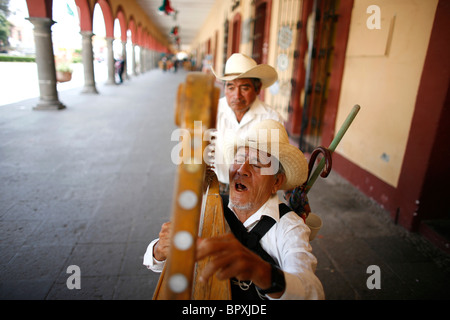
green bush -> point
(64, 67)
(5, 58)
(76, 59)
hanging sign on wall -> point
(282, 61)
(284, 37)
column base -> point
(49, 105)
(89, 90)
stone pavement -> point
(91, 185)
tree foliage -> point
(4, 24)
(4, 8)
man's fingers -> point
(212, 267)
(228, 265)
(229, 258)
(213, 246)
(165, 229)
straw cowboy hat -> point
(241, 66)
(271, 137)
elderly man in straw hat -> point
(240, 108)
(268, 254)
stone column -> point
(145, 60)
(88, 62)
(154, 60)
(133, 60)
(111, 62)
(45, 61)
(150, 59)
(142, 60)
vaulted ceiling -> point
(190, 16)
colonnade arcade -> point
(143, 35)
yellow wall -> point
(383, 68)
(221, 11)
(214, 22)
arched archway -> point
(108, 17)
(40, 8)
(121, 16)
(109, 38)
(133, 29)
(85, 15)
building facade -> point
(388, 56)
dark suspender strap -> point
(267, 222)
(251, 241)
(284, 208)
(261, 228)
(238, 229)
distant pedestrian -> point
(120, 68)
(175, 65)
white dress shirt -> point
(227, 125)
(287, 242)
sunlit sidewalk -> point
(89, 186)
(19, 80)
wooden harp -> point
(197, 206)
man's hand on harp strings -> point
(231, 259)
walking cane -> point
(297, 199)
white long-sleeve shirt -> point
(227, 124)
(287, 242)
